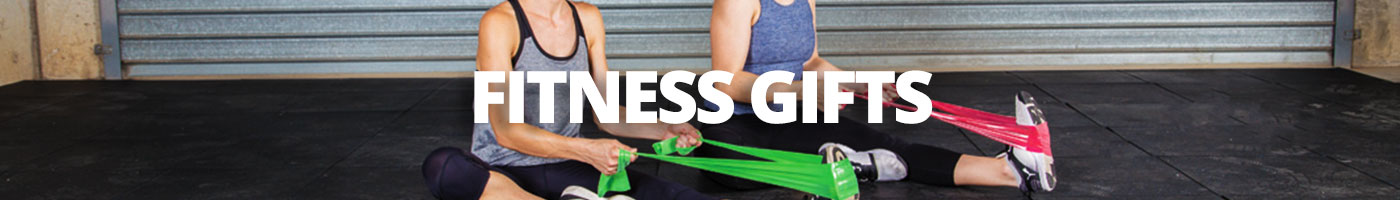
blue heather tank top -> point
(782, 39)
(530, 57)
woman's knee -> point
(439, 157)
(452, 173)
(433, 163)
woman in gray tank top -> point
(750, 37)
(532, 160)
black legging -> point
(452, 173)
(926, 164)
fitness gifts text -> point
(606, 108)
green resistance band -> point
(798, 171)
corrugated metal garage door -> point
(249, 37)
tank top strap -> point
(578, 28)
(578, 23)
(522, 24)
(521, 21)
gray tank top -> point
(531, 57)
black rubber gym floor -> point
(1191, 134)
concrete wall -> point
(68, 30)
(1379, 25)
(17, 58)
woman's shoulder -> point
(591, 19)
(496, 28)
(745, 2)
(587, 11)
(502, 12)
(736, 8)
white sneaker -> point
(1027, 113)
(832, 152)
(574, 192)
(870, 166)
(1035, 170)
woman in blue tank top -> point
(550, 160)
(751, 37)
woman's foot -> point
(1034, 170)
(870, 166)
(830, 154)
(575, 192)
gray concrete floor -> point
(1196, 134)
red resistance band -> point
(1001, 128)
